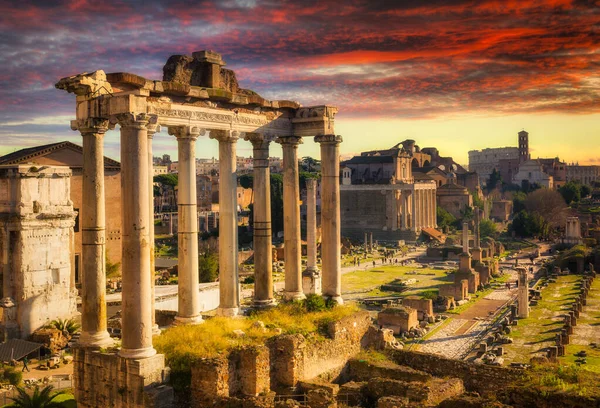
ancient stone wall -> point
(107, 380)
(483, 379)
(36, 239)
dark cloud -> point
(371, 58)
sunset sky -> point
(457, 75)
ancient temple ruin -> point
(36, 240)
(197, 97)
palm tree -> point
(39, 399)
(68, 325)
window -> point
(76, 227)
(77, 260)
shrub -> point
(68, 325)
(248, 279)
(314, 303)
(13, 376)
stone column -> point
(465, 237)
(429, 209)
(93, 234)
(136, 317)
(311, 277)
(415, 224)
(291, 218)
(229, 285)
(434, 204)
(330, 216)
(263, 254)
(404, 201)
(523, 293)
(152, 129)
(366, 242)
(311, 225)
(188, 309)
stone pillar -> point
(330, 216)
(477, 244)
(229, 286)
(311, 277)
(465, 237)
(93, 234)
(366, 242)
(188, 309)
(263, 255)
(291, 218)
(415, 224)
(136, 317)
(404, 201)
(523, 293)
(434, 204)
(152, 129)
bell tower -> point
(523, 146)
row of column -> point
(424, 209)
(138, 323)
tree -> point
(208, 260)
(571, 192)
(170, 179)
(526, 224)
(276, 203)
(494, 181)
(444, 218)
(309, 164)
(68, 325)
(586, 191)
(246, 180)
(305, 175)
(549, 205)
(519, 202)
(43, 398)
(487, 228)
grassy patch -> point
(184, 344)
(372, 279)
(538, 331)
(563, 378)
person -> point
(25, 361)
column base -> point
(137, 354)
(337, 299)
(228, 311)
(96, 339)
(264, 304)
(292, 296)
(156, 330)
(311, 281)
(181, 320)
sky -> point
(453, 74)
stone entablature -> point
(36, 237)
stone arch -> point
(414, 163)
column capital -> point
(258, 139)
(328, 139)
(289, 140)
(226, 136)
(134, 120)
(186, 132)
(92, 125)
(152, 129)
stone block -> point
(398, 318)
(210, 380)
(255, 369)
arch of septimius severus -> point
(196, 97)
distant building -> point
(504, 159)
(160, 170)
(587, 175)
(532, 172)
(380, 194)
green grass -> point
(539, 329)
(563, 378)
(67, 399)
(372, 279)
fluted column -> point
(229, 287)
(93, 234)
(434, 204)
(330, 216)
(263, 255)
(152, 129)
(188, 310)
(136, 320)
(404, 215)
(291, 218)
(415, 225)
